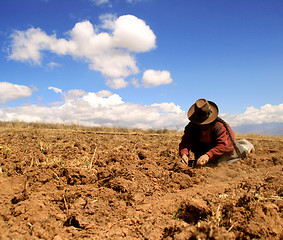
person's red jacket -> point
(216, 136)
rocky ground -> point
(68, 184)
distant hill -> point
(264, 129)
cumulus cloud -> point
(252, 115)
(109, 52)
(117, 83)
(168, 107)
(96, 100)
(104, 108)
(104, 93)
(9, 91)
(99, 109)
(133, 34)
(153, 78)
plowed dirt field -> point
(66, 184)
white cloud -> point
(74, 94)
(52, 65)
(26, 46)
(9, 91)
(153, 78)
(101, 2)
(133, 34)
(252, 115)
(117, 83)
(133, 1)
(109, 100)
(56, 90)
(107, 109)
(114, 64)
(104, 93)
(168, 107)
(109, 52)
(107, 21)
(135, 82)
(101, 108)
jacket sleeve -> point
(223, 142)
(184, 146)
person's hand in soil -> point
(185, 159)
(203, 160)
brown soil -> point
(66, 184)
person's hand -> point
(203, 160)
(185, 159)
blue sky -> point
(140, 63)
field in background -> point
(74, 182)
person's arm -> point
(223, 142)
(184, 146)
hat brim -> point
(194, 119)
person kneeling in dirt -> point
(209, 137)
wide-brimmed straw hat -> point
(203, 112)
